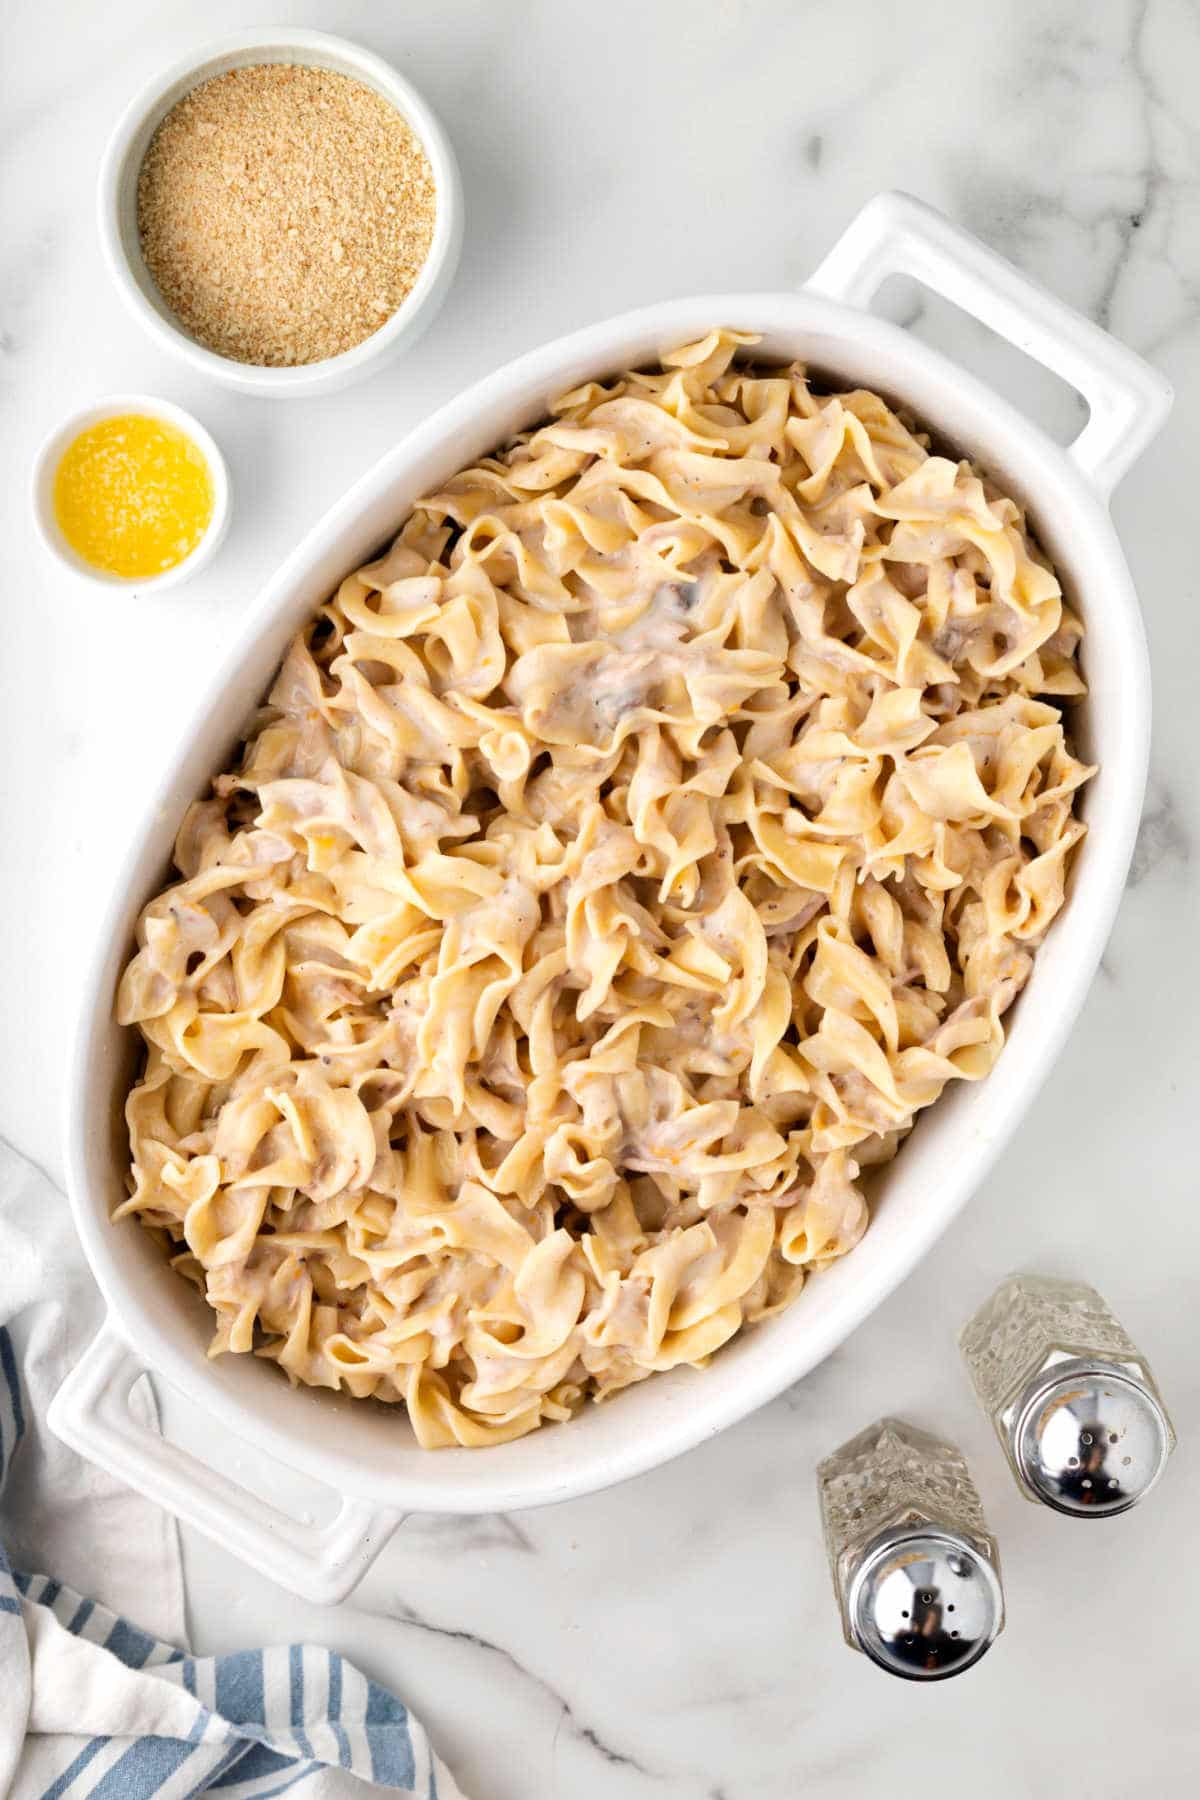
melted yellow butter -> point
(133, 495)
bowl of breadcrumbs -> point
(284, 211)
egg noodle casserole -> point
(616, 868)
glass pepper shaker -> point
(1077, 1411)
(915, 1569)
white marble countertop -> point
(677, 1637)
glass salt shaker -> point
(915, 1569)
(1076, 1409)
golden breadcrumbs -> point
(284, 212)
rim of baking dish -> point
(528, 1473)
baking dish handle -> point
(322, 1563)
(1128, 400)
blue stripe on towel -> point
(8, 1366)
(335, 1708)
(240, 1686)
(230, 1764)
(128, 1644)
(82, 1614)
(298, 1772)
(75, 1768)
(145, 1767)
(258, 1762)
(296, 1685)
(389, 1738)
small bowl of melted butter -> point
(131, 492)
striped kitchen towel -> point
(89, 1703)
(92, 1706)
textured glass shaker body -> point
(1074, 1404)
(915, 1569)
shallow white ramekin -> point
(113, 406)
(364, 1452)
(117, 202)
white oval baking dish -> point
(367, 1454)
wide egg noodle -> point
(618, 866)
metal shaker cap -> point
(924, 1604)
(1089, 1439)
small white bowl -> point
(117, 196)
(45, 467)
